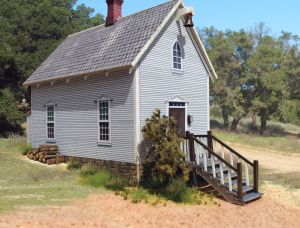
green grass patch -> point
(73, 164)
(25, 184)
(284, 144)
(290, 179)
(102, 179)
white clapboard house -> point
(91, 96)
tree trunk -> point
(234, 124)
(253, 123)
(225, 117)
(263, 123)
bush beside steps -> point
(176, 191)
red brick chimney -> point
(114, 11)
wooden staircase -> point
(229, 173)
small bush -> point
(178, 191)
(88, 170)
(73, 164)
(98, 180)
(91, 176)
(26, 148)
(139, 195)
(116, 183)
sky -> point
(278, 15)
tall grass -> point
(92, 176)
(288, 144)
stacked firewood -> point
(47, 154)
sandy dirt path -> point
(108, 210)
(275, 160)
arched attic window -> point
(177, 57)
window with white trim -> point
(50, 121)
(104, 121)
(177, 57)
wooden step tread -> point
(225, 169)
(251, 196)
(246, 189)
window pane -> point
(50, 130)
(104, 131)
(104, 121)
(177, 56)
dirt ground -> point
(279, 207)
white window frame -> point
(98, 101)
(173, 56)
(49, 122)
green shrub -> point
(165, 158)
(139, 195)
(88, 170)
(102, 179)
(116, 183)
(25, 148)
(98, 180)
(178, 191)
(73, 164)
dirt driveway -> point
(108, 210)
(279, 207)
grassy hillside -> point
(25, 184)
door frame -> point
(185, 107)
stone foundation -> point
(127, 170)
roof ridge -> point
(101, 25)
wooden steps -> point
(225, 170)
(249, 197)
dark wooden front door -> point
(179, 116)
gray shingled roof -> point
(102, 48)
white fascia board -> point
(156, 34)
(203, 53)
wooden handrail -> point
(201, 136)
(212, 152)
(233, 151)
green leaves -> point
(165, 158)
(29, 31)
(258, 73)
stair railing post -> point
(210, 140)
(191, 147)
(255, 176)
(240, 180)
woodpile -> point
(47, 154)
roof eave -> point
(93, 73)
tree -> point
(10, 116)
(229, 52)
(30, 31)
(165, 158)
(266, 80)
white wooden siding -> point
(76, 116)
(28, 133)
(158, 81)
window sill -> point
(175, 71)
(50, 141)
(104, 143)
